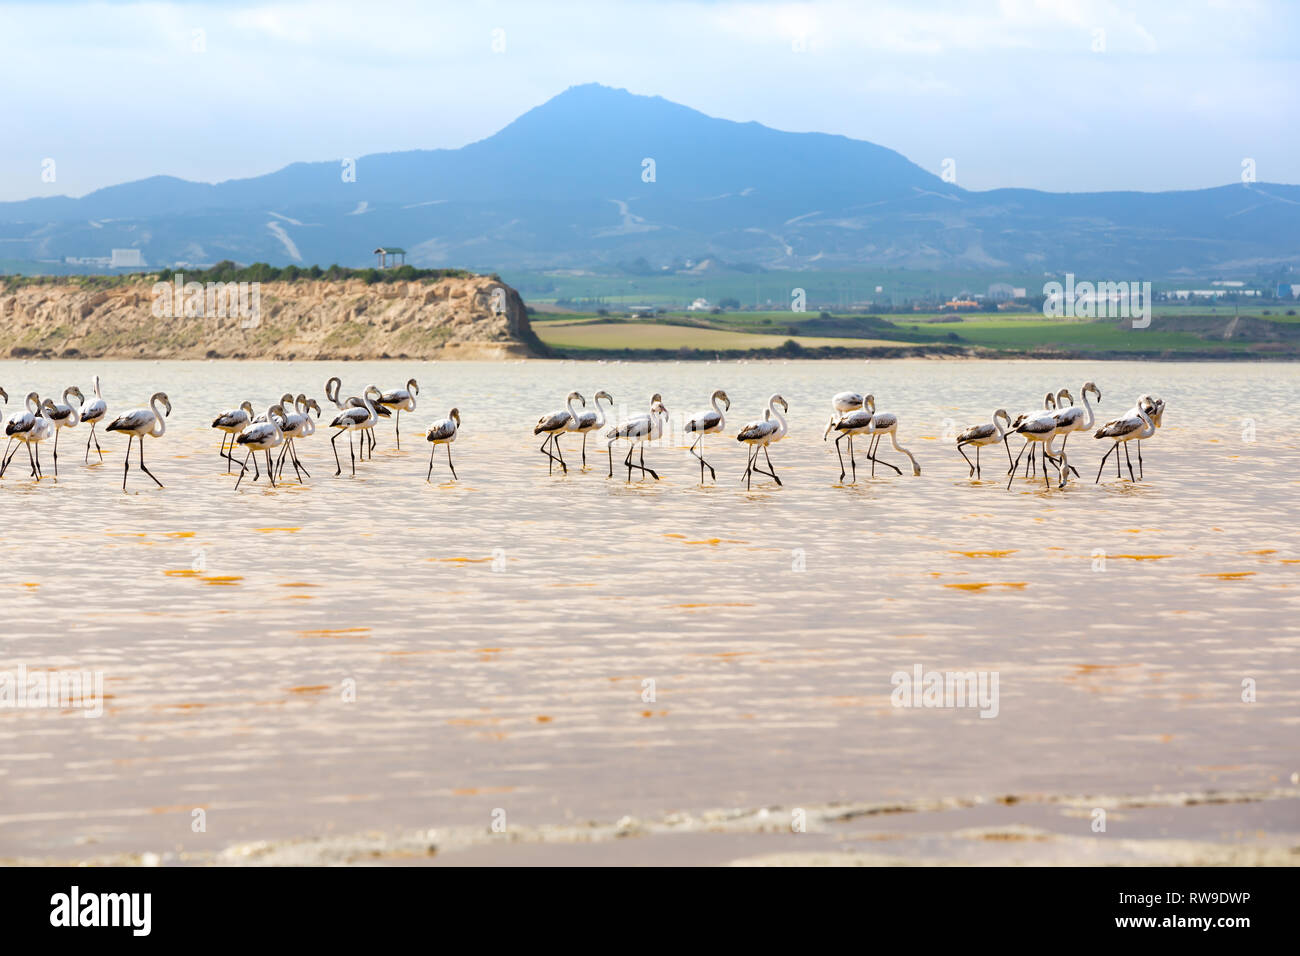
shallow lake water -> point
(379, 652)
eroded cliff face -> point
(450, 318)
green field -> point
(976, 334)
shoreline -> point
(1029, 829)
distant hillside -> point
(459, 317)
(566, 185)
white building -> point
(127, 259)
(699, 305)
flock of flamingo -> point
(853, 414)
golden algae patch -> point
(222, 580)
(182, 573)
(981, 585)
(462, 560)
(309, 689)
(178, 534)
(985, 554)
(336, 632)
(1229, 575)
(297, 584)
(1140, 557)
(694, 606)
(269, 530)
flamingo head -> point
(248, 407)
(4, 396)
(413, 386)
(578, 396)
(605, 395)
(162, 397)
(721, 395)
(313, 404)
(454, 415)
(73, 390)
(1091, 387)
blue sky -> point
(1168, 95)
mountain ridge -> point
(596, 175)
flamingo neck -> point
(1087, 426)
(780, 420)
(159, 419)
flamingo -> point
(263, 436)
(710, 422)
(849, 424)
(31, 426)
(400, 400)
(350, 420)
(1040, 427)
(590, 421)
(758, 435)
(1155, 408)
(1049, 402)
(297, 424)
(357, 401)
(987, 434)
(1076, 418)
(231, 422)
(64, 416)
(842, 403)
(552, 425)
(138, 423)
(1126, 429)
(92, 412)
(16, 427)
(885, 423)
(638, 430)
(443, 432)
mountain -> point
(565, 185)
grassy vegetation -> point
(978, 334)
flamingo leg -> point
(628, 461)
(339, 469)
(653, 474)
(843, 470)
(450, 465)
(143, 468)
(853, 460)
(968, 462)
(126, 465)
(1007, 445)
(550, 465)
(879, 438)
(243, 467)
(1103, 462)
(353, 453)
(397, 428)
(555, 443)
(225, 437)
(1140, 474)
(9, 456)
(772, 468)
(584, 450)
(748, 476)
(1016, 464)
(429, 475)
(611, 457)
(1130, 463)
(270, 469)
(56, 451)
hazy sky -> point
(1015, 92)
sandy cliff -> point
(477, 317)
